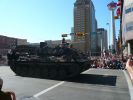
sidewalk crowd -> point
(109, 62)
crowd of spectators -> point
(109, 62)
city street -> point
(45, 41)
(94, 84)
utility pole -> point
(121, 7)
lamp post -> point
(122, 3)
(101, 47)
(108, 35)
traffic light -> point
(80, 34)
(116, 17)
(64, 35)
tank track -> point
(48, 70)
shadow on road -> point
(91, 79)
(95, 79)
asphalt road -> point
(94, 84)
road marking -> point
(130, 86)
(48, 89)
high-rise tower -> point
(84, 21)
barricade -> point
(12, 95)
(129, 69)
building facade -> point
(21, 41)
(102, 39)
(72, 34)
(7, 43)
(84, 22)
(94, 44)
(127, 26)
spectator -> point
(6, 95)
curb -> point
(130, 71)
(130, 85)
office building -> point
(127, 26)
(84, 22)
(102, 39)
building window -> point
(129, 26)
(128, 10)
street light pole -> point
(101, 47)
(108, 35)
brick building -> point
(7, 43)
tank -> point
(60, 62)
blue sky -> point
(40, 20)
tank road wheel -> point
(44, 72)
(61, 74)
(85, 66)
(24, 71)
(52, 73)
(17, 71)
(13, 68)
(77, 71)
(73, 71)
(30, 71)
(37, 73)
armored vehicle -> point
(41, 61)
